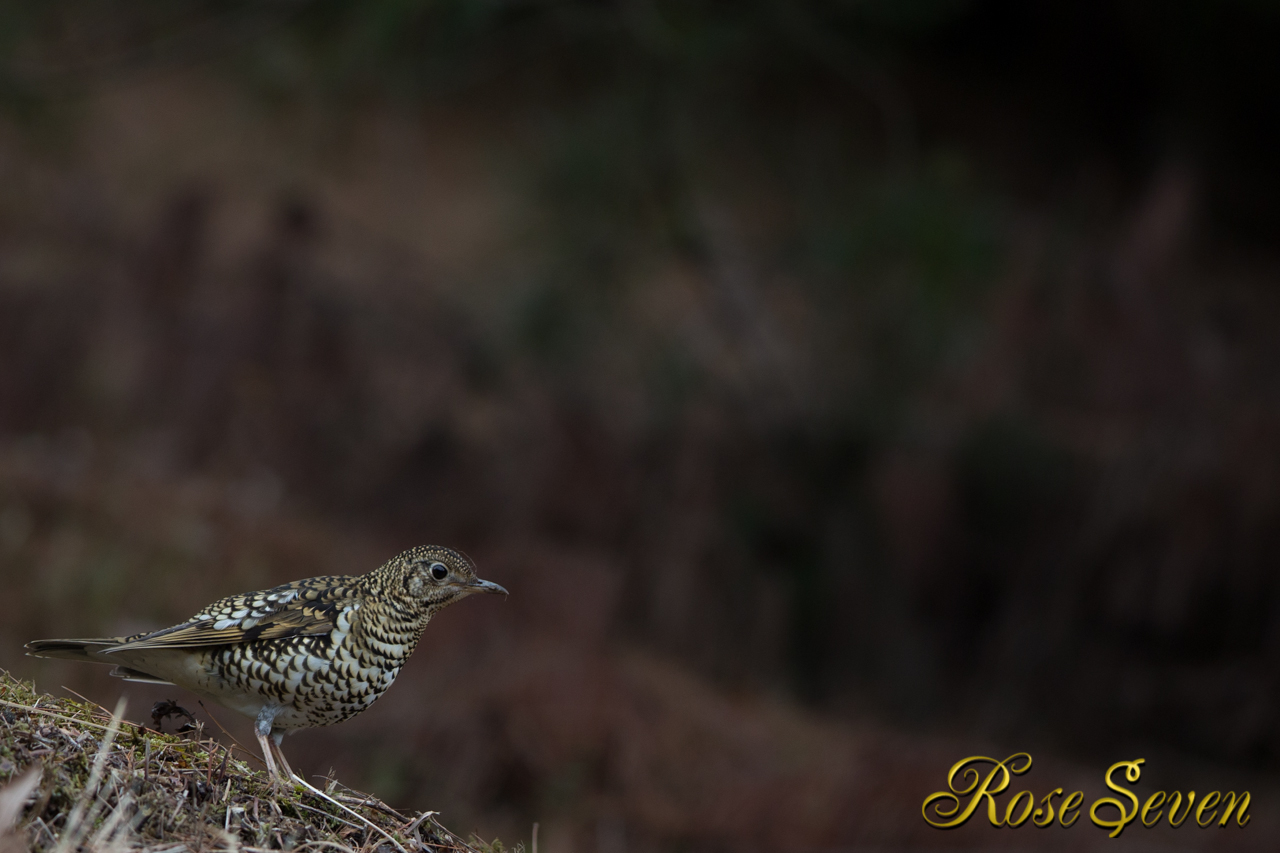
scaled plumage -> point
(309, 653)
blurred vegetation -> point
(905, 357)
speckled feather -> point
(313, 652)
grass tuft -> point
(76, 777)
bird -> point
(312, 652)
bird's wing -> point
(303, 608)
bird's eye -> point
(439, 571)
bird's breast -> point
(314, 680)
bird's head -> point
(429, 577)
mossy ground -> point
(71, 779)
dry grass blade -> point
(31, 709)
(14, 797)
(322, 795)
(87, 800)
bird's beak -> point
(478, 585)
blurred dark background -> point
(840, 387)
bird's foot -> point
(278, 779)
(286, 776)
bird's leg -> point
(263, 730)
(276, 738)
(272, 770)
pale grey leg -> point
(284, 762)
(263, 729)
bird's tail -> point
(92, 652)
(81, 650)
